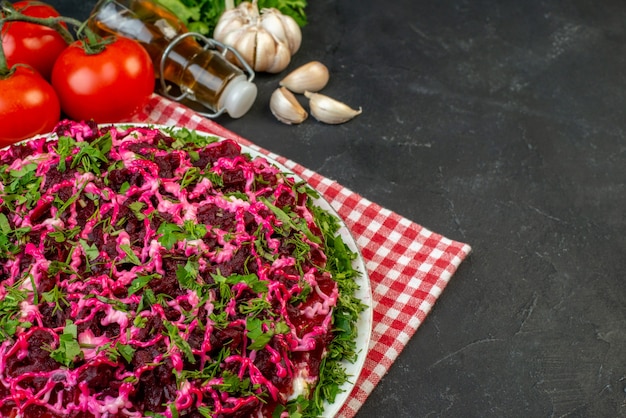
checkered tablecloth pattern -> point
(408, 265)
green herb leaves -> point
(68, 349)
(291, 220)
(10, 238)
(187, 275)
(116, 350)
(140, 282)
(21, 187)
(261, 331)
(188, 140)
(10, 310)
(175, 337)
(345, 315)
(57, 297)
(171, 233)
(89, 156)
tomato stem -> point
(91, 42)
(51, 22)
(56, 23)
(4, 67)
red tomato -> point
(28, 43)
(28, 105)
(110, 86)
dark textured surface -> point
(500, 124)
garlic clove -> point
(328, 110)
(309, 77)
(272, 54)
(283, 27)
(281, 59)
(244, 41)
(286, 108)
(272, 23)
(226, 26)
(247, 10)
(293, 32)
(265, 50)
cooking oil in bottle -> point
(201, 73)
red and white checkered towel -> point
(408, 265)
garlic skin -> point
(286, 108)
(312, 77)
(329, 110)
(266, 40)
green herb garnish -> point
(69, 348)
(174, 335)
(140, 282)
(10, 311)
(56, 296)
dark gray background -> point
(500, 124)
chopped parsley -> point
(69, 348)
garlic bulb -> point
(310, 77)
(286, 107)
(265, 40)
(328, 110)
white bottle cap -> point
(238, 96)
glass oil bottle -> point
(200, 72)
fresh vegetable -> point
(266, 40)
(104, 80)
(328, 110)
(202, 15)
(28, 104)
(312, 76)
(286, 108)
(109, 85)
(30, 43)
